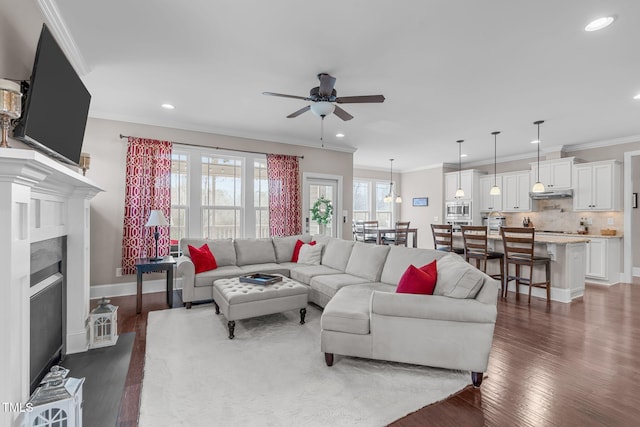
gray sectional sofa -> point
(363, 316)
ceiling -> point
(449, 70)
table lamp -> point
(156, 219)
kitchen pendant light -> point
(538, 187)
(391, 196)
(495, 190)
(459, 191)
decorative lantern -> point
(57, 402)
(103, 322)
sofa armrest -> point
(432, 307)
(186, 266)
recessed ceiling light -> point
(463, 155)
(339, 135)
(637, 96)
(535, 141)
(599, 23)
(168, 106)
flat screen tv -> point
(56, 104)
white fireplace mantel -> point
(40, 199)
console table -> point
(147, 265)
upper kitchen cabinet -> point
(555, 174)
(469, 182)
(597, 186)
(487, 202)
(515, 191)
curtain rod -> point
(220, 148)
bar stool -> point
(443, 238)
(475, 247)
(518, 250)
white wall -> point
(108, 156)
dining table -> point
(382, 232)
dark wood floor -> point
(558, 365)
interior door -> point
(314, 188)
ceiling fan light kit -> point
(324, 99)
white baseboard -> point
(635, 271)
(129, 288)
(560, 295)
(77, 341)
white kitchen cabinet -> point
(597, 186)
(469, 181)
(554, 174)
(603, 260)
(515, 192)
(487, 202)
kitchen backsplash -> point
(558, 215)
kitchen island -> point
(568, 263)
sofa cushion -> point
(367, 260)
(284, 246)
(222, 249)
(203, 259)
(206, 278)
(304, 273)
(457, 278)
(330, 284)
(337, 253)
(400, 258)
(296, 250)
(310, 254)
(254, 251)
(348, 310)
(418, 280)
(268, 267)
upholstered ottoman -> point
(239, 300)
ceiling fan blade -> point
(285, 96)
(326, 84)
(300, 111)
(342, 114)
(359, 99)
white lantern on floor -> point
(103, 325)
(57, 402)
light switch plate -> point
(609, 221)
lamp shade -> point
(156, 218)
(459, 193)
(322, 108)
(538, 187)
(495, 191)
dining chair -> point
(366, 231)
(400, 234)
(476, 248)
(443, 238)
(519, 251)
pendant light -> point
(495, 190)
(459, 191)
(390, 197)
(538, 187)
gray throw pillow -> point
(310, 254)
(457, 278)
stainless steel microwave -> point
(458, 210)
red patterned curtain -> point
(285, 212)
(148, 187)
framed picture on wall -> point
(420, 201)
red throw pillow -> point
(202, 258)
(296, 249)
(431, 269)
(416, 281)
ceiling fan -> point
(324, 98)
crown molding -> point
(59, 28)
(603, 143)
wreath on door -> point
(322, 211)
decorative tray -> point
(261, 279)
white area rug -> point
(272, 374)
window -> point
(370, 205)
(261, 197)
(179, 192)
(217, 195)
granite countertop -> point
(559, 239)
(600, 236)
